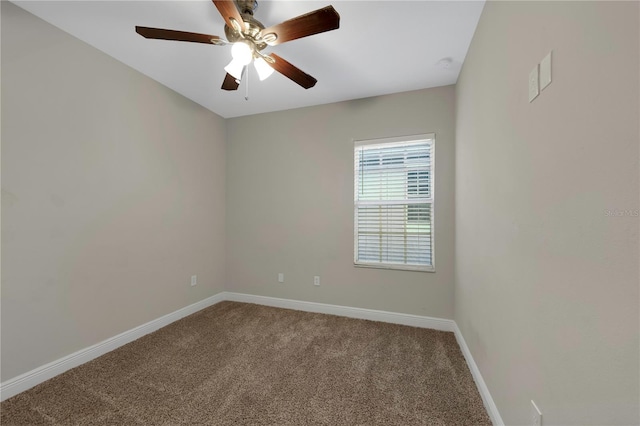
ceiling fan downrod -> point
(247, 6)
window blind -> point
(394, 203)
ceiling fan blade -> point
(230, 83)
(230, 13)
(161, 34)
(318, 21)
(292, 72)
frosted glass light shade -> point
(235, 69)
(264, 70)
(241, 52)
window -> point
(394, 202)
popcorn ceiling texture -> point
(246, 364)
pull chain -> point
(246, 96)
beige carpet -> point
(244, 364)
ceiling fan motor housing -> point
(251, 33)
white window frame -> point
(401, 140)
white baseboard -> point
(38, 375)
(492, 410)
(345, 311)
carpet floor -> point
(245, 364)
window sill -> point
(395, 267)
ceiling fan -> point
(249, 38)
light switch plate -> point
(533, 84)
(280, 277)
(545, 71)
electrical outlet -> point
(536, 415)
(280, 277)
(194, 280)
(316, 280)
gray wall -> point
(112, 196)
(290, 203)
(546, 282)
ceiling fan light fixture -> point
(242, 53)
(235, 69)
(263, 69)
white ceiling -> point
(381, 47)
